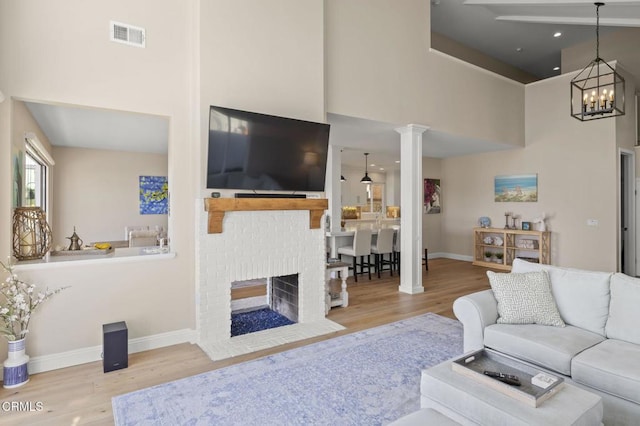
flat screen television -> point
(253, 151)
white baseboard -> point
(43, 363)
(451, 256)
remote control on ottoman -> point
(509, 379)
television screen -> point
(255, 151)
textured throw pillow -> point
(525, 298)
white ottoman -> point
(470, 402)
(425, 416)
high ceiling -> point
(521, 32)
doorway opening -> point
(627, 213)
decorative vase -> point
(15, 371)
(31, 233)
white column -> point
(333, 187)
(411, 202)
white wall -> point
(66, 56)
(265, 57)
(393, 188)
(379, 67)
(576, 167)
(97, 192)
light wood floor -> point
(82, 395)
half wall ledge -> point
(217, 207)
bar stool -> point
(426, 259)
(384, 245)
(361, 247)
(396, 251)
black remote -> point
(509, 379)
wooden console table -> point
(217, 207)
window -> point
(36, 174)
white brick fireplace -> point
(252, 245)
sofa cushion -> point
(549, 347)
(582, 296)
(524, 298)
(624, 309)
(612, 367)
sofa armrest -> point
(476, 311)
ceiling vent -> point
(127, 34)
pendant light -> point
(366, 178)
(597, 93)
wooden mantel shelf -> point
(217, 207)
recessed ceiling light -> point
(397, 161)
(373, 165)
(556, 68)
(381, 168)
(518, 49)
(557, 34)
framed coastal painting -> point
(154, 195)
(518, 188)
(432, 196)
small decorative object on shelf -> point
(506, 219)
(514, 217)
(542, 226)
(76, 242)
(18, 303)
(498, 241)
(31, 233)
(527, 243)
(487, 256)
(484, 222)
(526, 226)
(499, 258)
(488, 240)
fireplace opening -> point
(264, 303)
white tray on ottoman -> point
(471, 402)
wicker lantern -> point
(31, 233)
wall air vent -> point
(127, 34)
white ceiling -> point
(357, 135)
(94, 128)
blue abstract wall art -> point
(154, 195)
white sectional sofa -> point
(598, 349)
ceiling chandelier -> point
(366, 178)
(598, 90)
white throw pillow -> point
(525, 298)
(624, 311)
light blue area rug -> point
(366, 378)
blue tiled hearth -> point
(261, 319)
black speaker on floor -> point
(115, 346)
